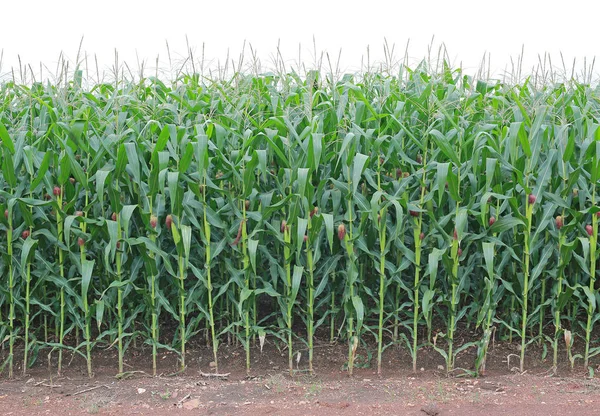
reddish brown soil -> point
(272, 391)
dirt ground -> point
(272, 391)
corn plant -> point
(27, 252)
(382, 282)
(292, 286)
(182, 238)
(209, 286)
(310, 290)
(592, 233)
(459, 203)
(87, 268)
(57, 192)
(11, 288)
(418, 241)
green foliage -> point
(218, 206)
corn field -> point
(373, 210)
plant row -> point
(385, 209)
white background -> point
(38, 31)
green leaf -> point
(505, 223)
(591, 298)
(359, 308)
(186, 237)
(328, 220)
(322, 285)
(453, 186)
(432, 266)
(569, 148)
(163, 138)
(301, 232)
(76, 169)
(427, 305)
(252, 248)
(186, 158)
(442, 174)
(41, 172)
(302, 181)
(296, 279)
(121, 160)
(99, 312)
(202, 153)
(101, 176)
(518, 128)
(173, 184)
(490, 169)
(134, 163)
(28, 159)
(315, 148)
(8, 168)
(64, 169)
(544, 174)
(87, 267)
(113, 234)
(443, 144)
(27, 252)
(359, 164)
(488, 255)
(125, 217)
(176, 234)
(461, 223)
(541, 263)
(564, 298)
(4, 136)
(68, 224)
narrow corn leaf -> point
(6, 141)
(296, 279)
(488, 255)
(360, 161)
(87, 268)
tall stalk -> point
(542, 312)
(290, 304)
(84, 293)
(453, 301)
(382, 286)
(58, 192)
(591, 300)
(529, 203)
(352, 274)
(347, 238)
(332, 310)
(87, 268)
(25, 255)
(489, 252)
(455, 252)
(215, 341)
(417, 229)
(381, 226)
(181, 279)
(559, 289)
(310, 294)
(397, 294)
(119, 294)
(27, 246)
(11, 294)
(153, 289)
(246, 264)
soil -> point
(270, 389)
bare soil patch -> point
(270, 390)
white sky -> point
(38, 30)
